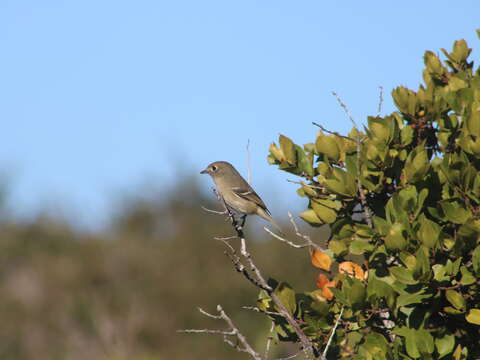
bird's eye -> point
(214, 168)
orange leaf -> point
(351, 269)
(324, 284)
(321, 260)
(327, 293)
(321, 281)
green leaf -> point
(476, 260)
(408, 299)
(455, 212)
(287, 296)
(381, 225)
(324, 213)
(338, 247)
(311, 217)
(327, 145)
(380, 289)
(305, 161)
(360, 247)
(440, 273)
(473, 316)
(429, 233)
(403, 275)
(445, 345)
(417, 165)
(417, 342)
(288, 149)
(376, 345)
(357, 293)
(456, 299)
(467, 276)
(395, 239)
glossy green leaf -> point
(403, 275)
(328, 146)
(288, 149)
(324, 213)
(445, 345)
(473, 316)
(287, 296)
(311, 217)
(456, 299)
(395, 239)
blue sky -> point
(100, 97)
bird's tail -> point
(262, 213)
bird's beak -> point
(204, 171)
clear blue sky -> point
(99, 97)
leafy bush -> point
(414, 175)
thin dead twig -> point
(358, 140)
(241, 344)
(333, 132)
(380, 101)
(324, 354)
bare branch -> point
(224, 212)
(253, 275)
(241, 344)
(290, 356)
(345, 108)
(380, 101)
(358, 140)
(256, 309)
(297, 246)
(333, 132)
(208, 314)
(302, 183)
(303, 236)
(332, 333)
(269, 341)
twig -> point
(242, 343)
(241, 269)
(290, 356)
(380, 101)
(333, 132)
(256, 309)
(358, 140)
(345, 108)
(302, 183)
(303, 236)
(296, 246)
(269, 341)
(332, 333)
(217, 317)
(224, 212)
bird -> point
(237, 194)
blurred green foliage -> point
(124, 292)
(416, 175)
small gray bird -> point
(236, 192)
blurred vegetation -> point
(123, 293)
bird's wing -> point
(248, 193)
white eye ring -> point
(214, 168)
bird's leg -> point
(243, 220)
